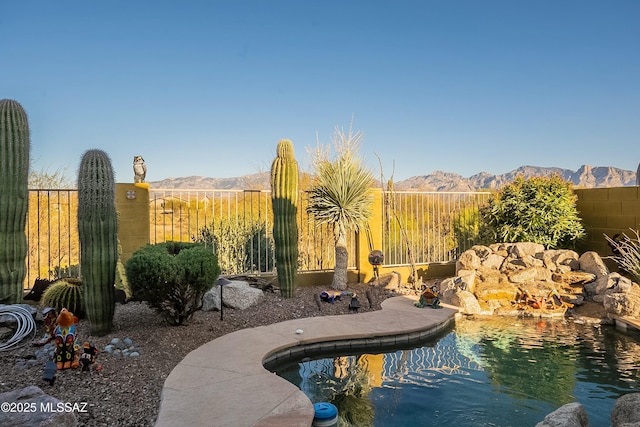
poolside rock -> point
(569, 415)
(591, 262)
(238, 295)
(622, 303)
(504, 270)
(468, 280)
(626, 411)
(526, 249)
(467, 302)
(572, 277)
(468, 260)
(34, 397)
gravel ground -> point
(126, 392)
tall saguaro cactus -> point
(14, 199)
(284, 200)
(98, 233)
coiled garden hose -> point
(26, 325)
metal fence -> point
(238, 225)
(418, 227)
(427, 227)
(52, 235)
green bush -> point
(172, 277)
(65, 293)
(539, 209)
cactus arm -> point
(14, 198)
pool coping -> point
(224, 382)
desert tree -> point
(340, 194)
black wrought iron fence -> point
(52, 235)
(429, 226)
(238, 225)
(425, 226)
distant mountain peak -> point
(585, 177)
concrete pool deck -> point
(224, 382)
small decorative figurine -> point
(88, 357)
(66, 344)
(139, 169)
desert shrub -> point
(238, 246)
(258, 252)
(65, 293)
(627, 253)
(172, 277)
(539, 209)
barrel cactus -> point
(98, 233)
(14, 197)
(284, 199)
(65, 293)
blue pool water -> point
(493, 372)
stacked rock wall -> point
(496, 275)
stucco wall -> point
(132, 204)
(607, 211)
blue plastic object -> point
(326, 414)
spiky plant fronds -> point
(341, 195)
(341, 192)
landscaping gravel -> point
(140, 352)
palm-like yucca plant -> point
(341, 196)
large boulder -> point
(467, 302)
(622, 304)
(569, 415)
(493, 261)
(592, 263)
(626, 411)
(467, 279)
(526, 249)
(33, 397)
(238, 295)
(468, 260)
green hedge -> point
(172, 277)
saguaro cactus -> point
(98, 233)
(14, 199)
(284, 200)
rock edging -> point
(489, 278)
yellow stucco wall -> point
(607, 211)
(132, 204)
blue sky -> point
(209, 87)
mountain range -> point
(585, 177)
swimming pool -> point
(479, 372)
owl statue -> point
(139, 169)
